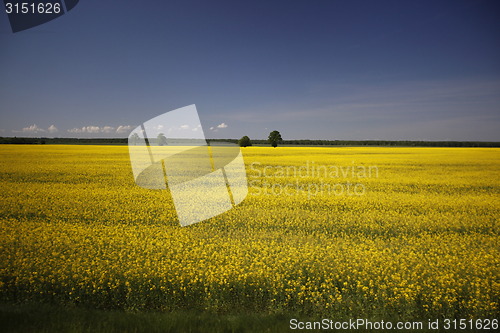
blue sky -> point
(395, 70)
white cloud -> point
(92, 129)
(107, 129)
(86, 129)
(216, 128)
(123, 128)
(33, 129)
(184, 127)
(101, 129)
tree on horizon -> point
(274, 138)
(162, 140)
(134, 138)
(245, 141)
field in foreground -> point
(381, 233)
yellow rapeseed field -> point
(323, 231)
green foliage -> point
(134, 139)
(162, 140)
(65, 141)
(274, 138)
(298, 142)
(43, 317)
(245, 141)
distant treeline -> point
(124, 141)
(374, 143)
(67, 141)
(389, 143)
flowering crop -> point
(422, 238)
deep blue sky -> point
(417, 70)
